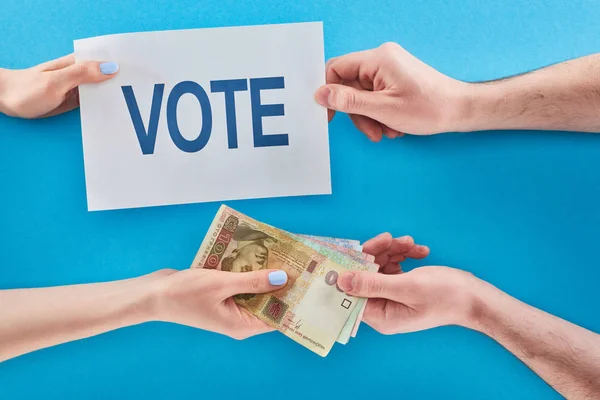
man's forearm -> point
(564, 96)
(565, 355)
(32, 319)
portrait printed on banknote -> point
(249, 251)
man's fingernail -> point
(277, 278)
(423, 249)
(109, 68)
(322, 96)
(347, 281)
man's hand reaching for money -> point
(563, 354)
(404, 302)
(389, 252)
(420, 299)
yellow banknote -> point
(310, 308)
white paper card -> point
(205, 115)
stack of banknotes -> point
(310, 308)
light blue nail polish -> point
(109, 68)
(277, 278)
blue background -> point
(519, 209)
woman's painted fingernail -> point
(109, 68)
(277, 278)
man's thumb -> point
(260, 281)
(346, 99)
(85, 72)
(368, 284)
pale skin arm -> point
(50, 88)
(565, 355)
(31, 319)
(387, 91)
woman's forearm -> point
(32, 319)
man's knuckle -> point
(348, 100)
(330, 62)
(389, 46)
(374, 286)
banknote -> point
(346, 243)
(352, 260)
(356, 317)
(358, 321)
(309, 309)
(348, 247)
(354, 248)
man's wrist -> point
(478, 107)
(486, 303)
(473, 302)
